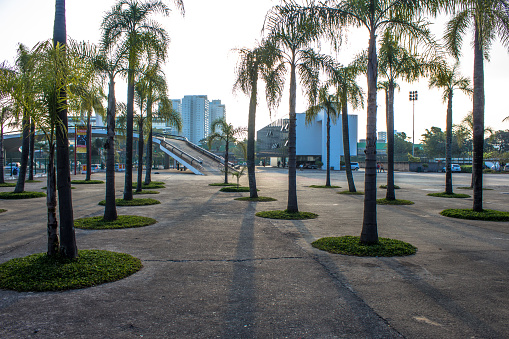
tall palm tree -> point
(324, 101)
(228, 134)
(396, 61)
(348, 92)
(260, 61)
(68, 246)
(293, 37)
(6, 110)
(129, 24)
(488, 20)
(375, 16)
(448, 79)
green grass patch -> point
(324, 186)
(44, 187)
(22, 195)
(396, 187)
(153, 184)
(40, 272)
(446, 195)
(487, 215)
(222, 184)
(286, 215)
(8, 184)
(259, 199)
(122, 221)
(32, 181)
(469, 188)
(133, 202)
(351, 245)
(2, 210)
(386, 201)
(146, 192)
(235, 189)
(85, 182)
(351, 193)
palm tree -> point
(228, 134)
(6, 110)
(129, 24)
(293, 38)
(348, 92)
(449, 79)
(396, 61)
(331, 105)
(67, 236)
(260, 61)
(489, 19)
(375, 16)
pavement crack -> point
(222, 260)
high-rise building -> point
(216, 111)
(195, 117)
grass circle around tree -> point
(386, 201)
(133, 202)
(470, 214)
(152, 184)
(146, 192)
(258, 199)
(222, 184)
(40, 272)
(285, 215)
(447, 195)
(347, 192)
(351, 245)
(396, 187)
(235, 189)
(122, 221)
(32, 181)
(22, 195)
(323, 186)
(7, 184)
(2, 210)
(44, 187)
(87, 182)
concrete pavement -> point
(213, 269)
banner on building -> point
(81, 139)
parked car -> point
(355, 166)
(94, 168)
(454, 168)
(506, 167)
(493, 165)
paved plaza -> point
(212, 269)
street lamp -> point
(413, 98)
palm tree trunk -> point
(140, 156)
(369, 234)
(346, 146)
(292, 206)
(89, 148)
(390, 195)
(67, 236)
(478, 117)
(251, 130)
(110, 208)
(226, 159)
(2, 180)
(448, 146)
(327, 180)
(148, 169)
(20, 184)
(51, 204)
(32, 151)
(128, 185)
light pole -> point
(413, 98)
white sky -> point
(201, 60)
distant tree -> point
(402, 145)
(228, 134)
(434, 142)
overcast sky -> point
(202, 61)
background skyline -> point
(201, 59)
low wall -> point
(405, 166)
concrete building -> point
(311, 140)
(195, 117)
(216, 111)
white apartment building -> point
(216, 111)
(195, 117)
